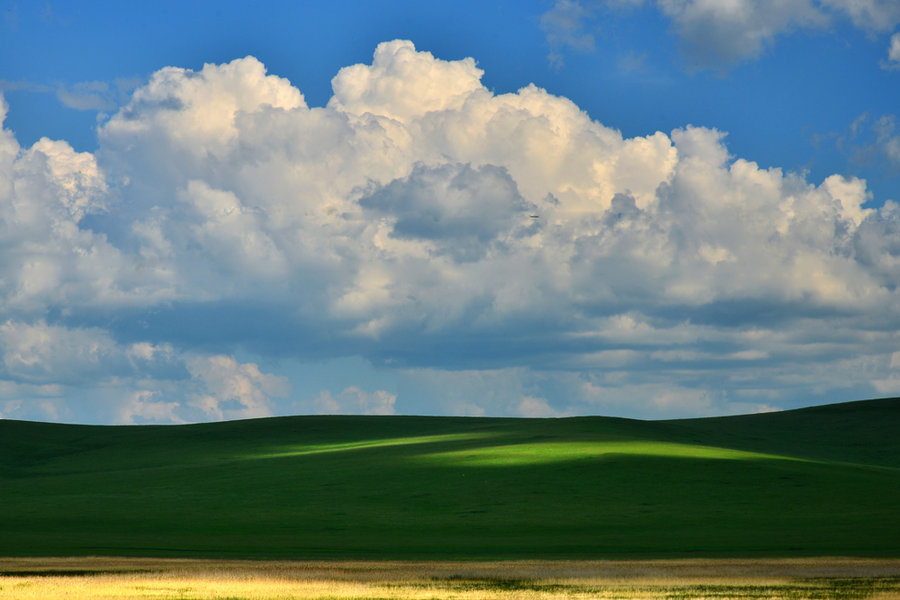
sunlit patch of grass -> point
(853, 579)
(309, 449)
(551, 452)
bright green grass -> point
(822, 481)
(538, 453)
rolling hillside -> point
(817, 481)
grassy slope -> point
(821, 481)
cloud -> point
(869, 15)
(893, 61)
(564, 25)
(80, 95)
(454, 208)
(356, 401)
(87, 95)
(39, 353)
(146, 407)
(51, 260)
(887, 140)
(535, 407)
(231, 231)
(500, 253)
(28, 86)
(477, 392)
(714, 34)
(872, 142)
(718, 35)
(41, 365)
(403, 84)
(232, 390)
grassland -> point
(815, 482)
(114, 578)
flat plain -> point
(98, 578)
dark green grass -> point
(820, 481)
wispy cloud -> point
(718, 35)
(566, 26)
(893, 59)
(87, 95)
(82, 95)
(27, 86)
(871, 142)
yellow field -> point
(98, 578)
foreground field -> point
(106, 578)
(813, 482)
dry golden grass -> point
(98, 578)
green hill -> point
(817, 481)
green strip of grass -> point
(303, 450)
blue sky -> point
(650, 209)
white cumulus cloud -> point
(507, 244)
(233, 390)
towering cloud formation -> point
(425, 223)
